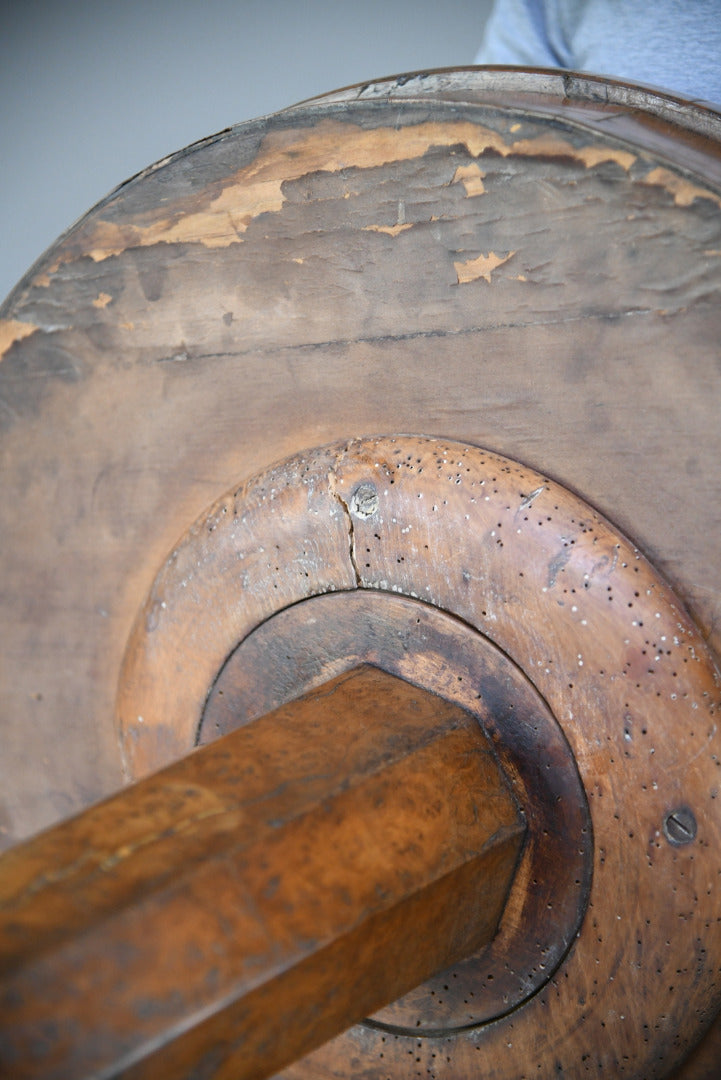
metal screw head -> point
(679, 826)
(364, 500)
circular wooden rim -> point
(534, 85)
(589, 622)
(314, 641)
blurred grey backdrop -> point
(92, 92)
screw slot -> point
(364, 500)
(679, 826)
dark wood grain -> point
(310, 642)
(198, 922)
(529, 262)
(539, 575)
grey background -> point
(92, 92)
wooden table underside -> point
(525, 262)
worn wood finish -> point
(587, 621)
(197, 922)
(310, 642)
(525, 261)
(296, 280)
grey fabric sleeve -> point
(670, 43)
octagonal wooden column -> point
(239, 908)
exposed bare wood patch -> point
(471, 176)
(330, 146)
(12, 330)
(482, 267)
(391, 230)
(684, 191)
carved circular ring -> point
(590, 624)
(312, 642)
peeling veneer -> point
(482, 267)
(12, 330)
(330, 146)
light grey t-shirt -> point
(673, 44)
